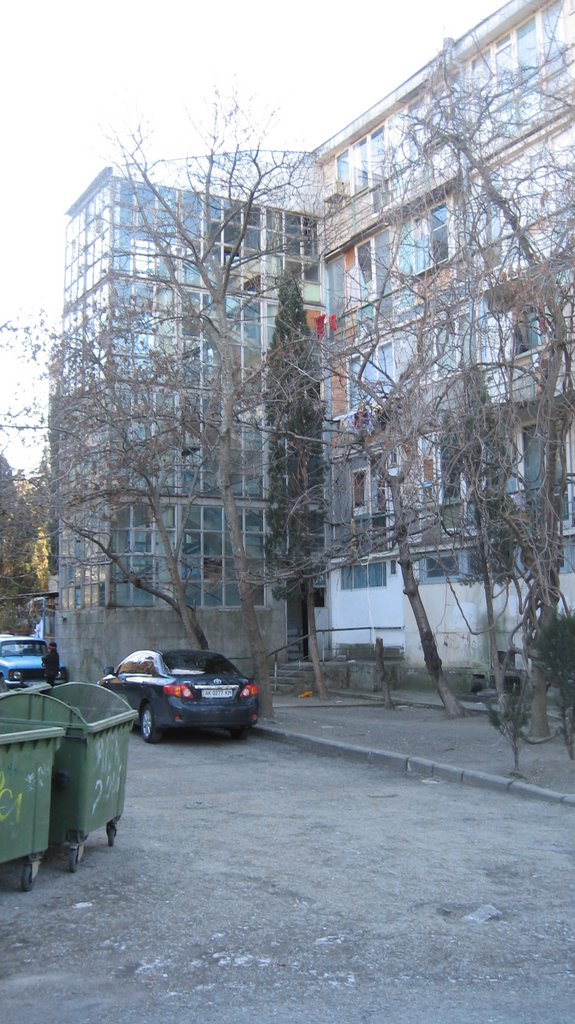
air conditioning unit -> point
(336, 191)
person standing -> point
(51, 663)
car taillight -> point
(178, 690)
(249, 690)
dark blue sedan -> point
(185, 689)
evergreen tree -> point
(556, 649)
(295, 416)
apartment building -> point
(437, 272)
(165, 284)
(448, 282)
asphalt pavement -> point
(417, 738)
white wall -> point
(364, 615)
(458, 622)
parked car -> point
(185, 689)
(21, 662)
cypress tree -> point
(295, 416)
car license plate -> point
(218, 691)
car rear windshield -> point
(198, 661)
(23, 648)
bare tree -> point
(23, 411)
(117, 435)
(163, 389)
(506, 136)
(464, 268)
(23, 549)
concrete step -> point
(292, 677)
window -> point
(425, 242)
(377, 373)
(360, 489)
(342, 166)
(365, 268)
(450, 473)
(443, 341)
(527, 49)
(355, 393)
(382, 366)
(378, 156)
(480, 72)
(435, 568)
(494, 328)
(553, 51)
(336, 286)
(253, 230)
(363, 577)
(293, 233)
(207, 563)
(518, 59)
(535, 470)
(364, 166)
(360, 166)
(382, 262)
(529, 331)
(504, 62)
(439, 250)
(489, 219)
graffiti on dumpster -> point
(109, 763)
(10, 804)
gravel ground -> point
(259, 882)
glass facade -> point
(146, 260)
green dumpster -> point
(90, 765)
(26, 764)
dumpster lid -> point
(82, 706)
(16, 732)
(95, 704)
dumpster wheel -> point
(29, 872)
(75, 854)
(111, 831)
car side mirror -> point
(109, 670)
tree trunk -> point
(255, 640)
(191, 620)
(411, 590)
(431, 657)
(319, 680)
(382, 681)
(539, 723)
(496, 668)
(188, 614)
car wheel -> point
(239, 734)
(148, 728)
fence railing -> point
(331, 649)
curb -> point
(416, 766)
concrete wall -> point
(458, 622)
(359, 616)
(90, 639)
(457, 626)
